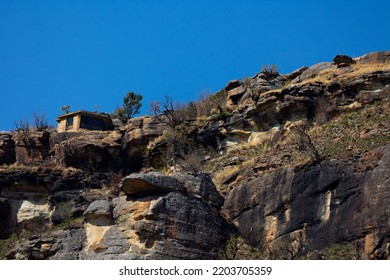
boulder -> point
(99, 208)
(342, 60)
(152, 182)
(200, 186)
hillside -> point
(275, 166)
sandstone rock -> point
(176, 218)
(31, 146)
(37, 196)
(264, 82)
(375, 57)
(7, 149)
(60, 245)
(296, 73)
(95, 150)
(152, 182)
(312, 202)
(234, 95)
(232, 84)
(313, 71)
(99, 213)
(99, 208)
(30, 208)
(140, 135)
(202, 187)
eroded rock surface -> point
(176, 219)
(162, 217)
(317, 206)
(7, 149)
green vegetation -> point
(236, 248)
(6, 245)
(131, 105)
(355, 132)
(69, 223)
(65, 109)
(340, 251)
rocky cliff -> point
(286, 166)
(155, 217)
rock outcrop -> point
(317, 206)
(158, 217)
(161, 217)
(342, 60)
(38, 198)
(59, 245)
(91, 195)
(139, 139)
(31, 146)
(7, 149)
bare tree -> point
(40, 121)
(22, 127)
(166, 111)
(253, 91)
(304, 143)
(219, 100)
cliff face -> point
(156, 217)
(319, 205)
(297, 163)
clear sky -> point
(85, 53)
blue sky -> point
(87, 53)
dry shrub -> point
(209, 104)
(186, 111)
(192, 162)
(270, 70)
(204, 105)
(40, 121)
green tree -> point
(131, 105)
(65, 108)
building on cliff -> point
(76, 121)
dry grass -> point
(366, 68)
(344, 74)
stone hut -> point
(79, 120)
